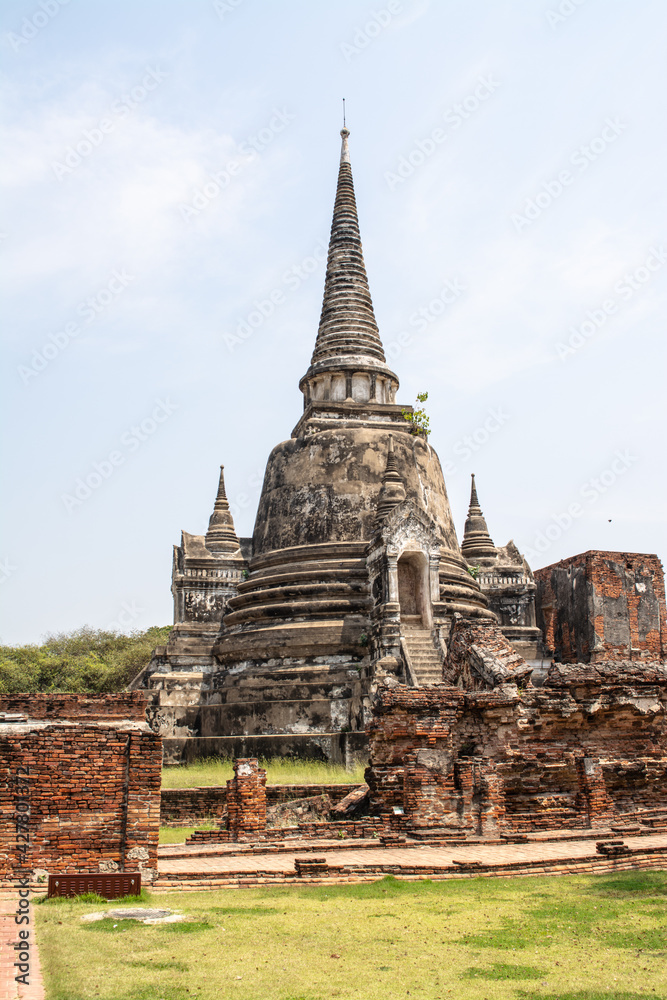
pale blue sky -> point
(531, 144)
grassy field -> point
(575, 938)
(179, 834)
(280, 771)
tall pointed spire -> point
(347, 323)
(348, 364)
(477, 542)
(392, 491)
(221, 535)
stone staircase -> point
(425, 659)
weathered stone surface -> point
(353, 804)
(479, 656)
(311, 808)
(601, 606)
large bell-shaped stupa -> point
(354, 559)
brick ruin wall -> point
(90, 771)
(587, 746)
(129, 705)
(94, 798)
(601, 606)
(479, 656)
(246, 800)
(186, 806)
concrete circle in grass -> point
(143, 913)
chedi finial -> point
(221, 535)
(345, 148)
(477, 542)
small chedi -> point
(492, 698)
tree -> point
(84, 660)
(418, 417)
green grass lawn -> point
(179, 834)
(575, 938)
(280, 771)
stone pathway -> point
(226, 863)
(9, 989)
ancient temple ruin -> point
(354, 576)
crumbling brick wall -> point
(184, 806)
(480, 657)
(93, 797)
(407, 719)
(246, 800)
(128, 705)
(533, 741)
(601, 606)
(593, 800)
(463, 795)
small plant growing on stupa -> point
(419, 418)
(474, 571)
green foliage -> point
(474, 571)
(419, 418)
(85, 660)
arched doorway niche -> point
(414, 587)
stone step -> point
(425, 659)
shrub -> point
(85, 660)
